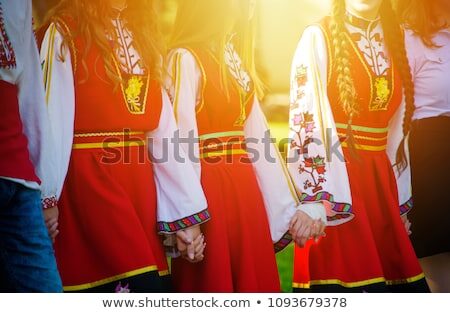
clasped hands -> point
(303, 228)
(191, 244)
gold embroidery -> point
(133, 91)
(382, 93)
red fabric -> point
(108, 205)
(14, 157)
(239, 256)
(374, 244)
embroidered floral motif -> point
(315, 167)
(382, 93)
(7, 55)
(122, 289)
(133, 93)
(303, 125)
(301, 80)
(234, 63)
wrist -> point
(49, 202)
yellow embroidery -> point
(382, 92)
(133, 93)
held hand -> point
(318, 230)
(407, 224)
(300, 228)
(191, 244)
(51, 221)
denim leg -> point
(27, 261)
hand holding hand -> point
(51, 221)
(191, 244)
(407, 224)
(302, 228)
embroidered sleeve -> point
(60, 99)
(181, 201)
(7, 55)
(316, 161)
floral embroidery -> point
(382, 93)
(122, 289)
(305, 124)
(315, 167)
(236, 69)
(133, 94)
(7, 55)
(301, 80)
(242, 78)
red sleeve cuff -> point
(50, 202)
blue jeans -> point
(27, 260)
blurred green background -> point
(281, 23)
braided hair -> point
(393, 36)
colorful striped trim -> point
(172, 227)
(406, 207)
(106, 134)
(366, 147)
(221, 134)
(223, 153)
(364, 128)
(359, 283)
(326, 196)
(283, 242)
(108, 144)
(343, 212)
(108, 280)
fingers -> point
(184, 237)
(52, 228)
(293, 221)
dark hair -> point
(420, 16)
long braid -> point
(395, 43)
(346, 86)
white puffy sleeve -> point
(181, 201)
(183, 85)
(315, 157)
(280, 197)
(60, 99)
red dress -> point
(108, 240)
(239, 256)
(372, 252)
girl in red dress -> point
(102, 68)
(213, 85)
(350, 86)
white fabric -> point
(430, 69)
(311, 55)
(184, 86)
(27, 76)
(179, 194)
(312, 98)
